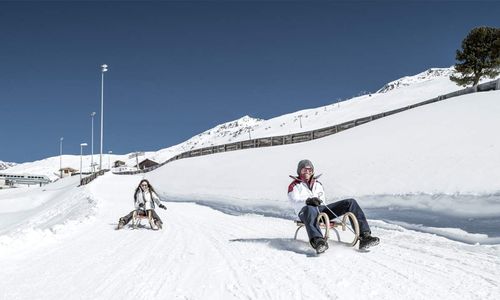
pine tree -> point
(496, 46)
(479, 56)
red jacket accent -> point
(297, 180)
(293, 184)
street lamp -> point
(81, 163)
(109, 159)
(92, 157)
(60, 155)
(104, 68)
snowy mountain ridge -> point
(223, 132)
(5, 165)
(220, 134)
(421, 77)
(402, 92)
(427, 84)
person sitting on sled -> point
(306, 195)
(145, 198)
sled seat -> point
(323, 219)
(321, 224)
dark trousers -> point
(309, 215)
(128, 217)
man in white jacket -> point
(307, 197)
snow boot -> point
(366, 241)
(319, 244)
(120, 225)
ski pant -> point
(309, 216)
(154, 215)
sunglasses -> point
(310, 170)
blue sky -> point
(179, 68)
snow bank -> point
(32, 216)
(441, 157)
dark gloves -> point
(313, 201)
(162, 206)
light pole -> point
(109, 159)
(104, 68)
(81, 163)
(60, 155)
(92, 157)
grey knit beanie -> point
(303, 164)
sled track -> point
(203, 253)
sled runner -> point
(138, 217)
(349, 222)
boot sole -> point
(321, 249)
(369, 245)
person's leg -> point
(309, 216)
(124, 220)
(349, 205)
(127, 218)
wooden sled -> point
(348, 222)
(138, 217)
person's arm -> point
(294, 195)
(295, 198)
(318, 195)
(156, 199)
(137, 200)
(321, 193)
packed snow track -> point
(203, 253)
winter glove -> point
(313, 201)
(162, 206)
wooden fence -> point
(88, 179)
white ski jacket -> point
(147, 198)
(299, 191)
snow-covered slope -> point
(440, 158)
(27, 212)
(205, 254)
(50, 166)
(423, 87)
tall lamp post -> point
(81, 162)
(60, 155)
(92, 143)
(104, 68)
(109, 159)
